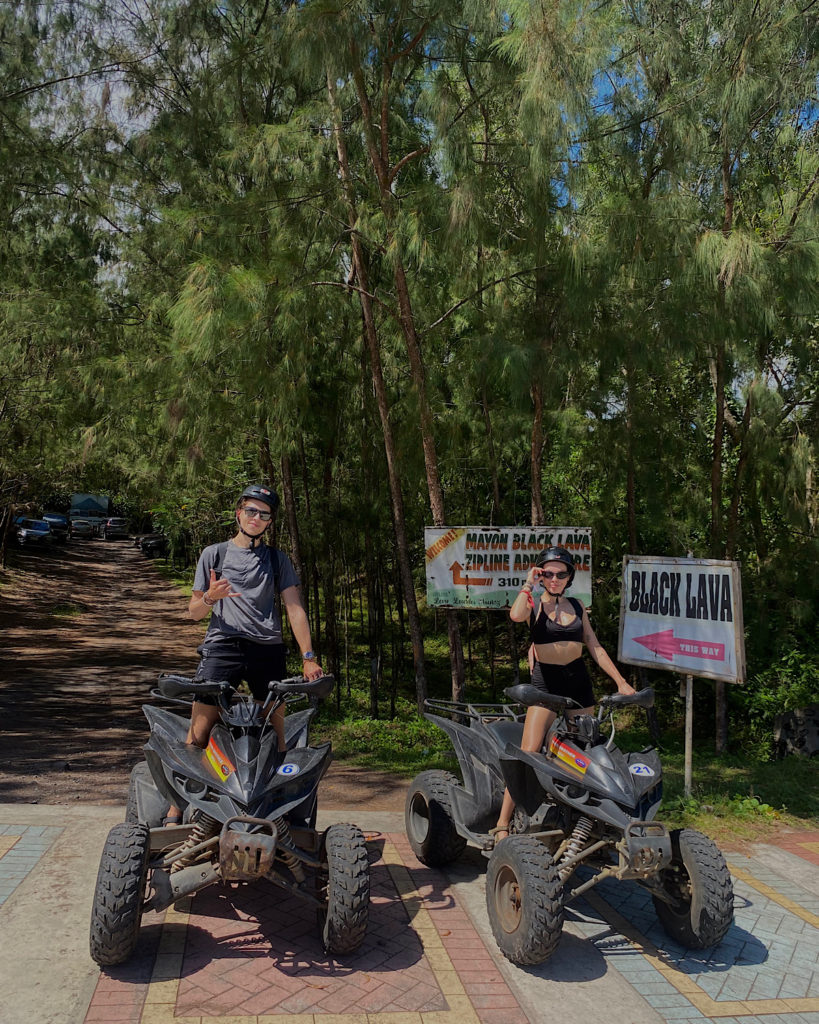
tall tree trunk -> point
(718, 376)
(378, 150)
(293, 529)
(382, 401)
(631, 499)
(536, 454)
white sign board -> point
(684, 615)
(485, 566)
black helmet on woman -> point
(557, 554)
(260, 493)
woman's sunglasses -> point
(547, 575)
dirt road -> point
(72, 685)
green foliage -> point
(605, 220)
(788, 684)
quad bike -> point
(249, 813)
(580, 800)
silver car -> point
(82, 528)
(114, 528)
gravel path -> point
(72, 685)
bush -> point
(790, 683)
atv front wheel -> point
(119, 894)
(348, 889)
(429, 819)
(698, 884)
(524, 898)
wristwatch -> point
(308, 656)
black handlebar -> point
(175, 686)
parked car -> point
(33, 531)
(83, 528)
(152, 545)
(114, 529)
(59, 525)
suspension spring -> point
(204, 827)
(286, 854)
(579, 837)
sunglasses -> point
(547, 575)
(257, 513)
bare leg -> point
(535, 726)
(276, 716)
(203, 719)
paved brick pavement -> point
(251, 955)
(21, 847)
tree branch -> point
(475, 294)
(403, 161)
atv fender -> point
(477, 802)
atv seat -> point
(506, 731)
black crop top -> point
(543, 631)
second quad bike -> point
(579, 802)
(249, 813)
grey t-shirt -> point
(253, 615)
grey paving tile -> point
(667, 1001)
(654, 988)
(682, 1013)
(735, 987)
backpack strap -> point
(219, 557)
(274, 561)
(578, 607)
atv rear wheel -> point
(348, 889)
(429, 819)
(699, 885)
(119, 894)
(524, 898)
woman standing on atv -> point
(559, 626)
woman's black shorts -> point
(570, 680)
(234, 659)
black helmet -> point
(557, 555)
(260, 493)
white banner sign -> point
(485, 566)
(684, 615)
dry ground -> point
(72, 686)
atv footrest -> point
(647, 848)
(243, 855)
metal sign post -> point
(689, 733)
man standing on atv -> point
(236, 583)
(558, 626)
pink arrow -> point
(667, 645)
